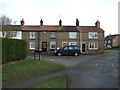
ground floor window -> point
(52, 45)
(72, 43)
(32, 45)
(93, 45)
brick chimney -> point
(77, 22)
(97, 24)
(41, 22)
(60, 22)
(22, 22)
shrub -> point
(13, 49)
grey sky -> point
(87, 11)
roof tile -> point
(59, 28)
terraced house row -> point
(49, 37)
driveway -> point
(90, 71)
(68, 61)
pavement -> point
(88, 71)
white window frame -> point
(73, 35)
(93, 35)
(52, 43)
(94, 44)
(32, 34)
(109, 41)
(31, 45)
(73, 43)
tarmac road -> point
(91, 71)
(98, 72)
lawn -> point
(22, 70)
(57, 82)
(107, 51)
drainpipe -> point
(38, 40)
(81, 40)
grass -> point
(57, 82)
(115, 48)
(107, 51)
(22, 70)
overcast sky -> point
(87, 11)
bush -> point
(13, 49)
(116, 47)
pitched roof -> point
(11, 27)
(40, 28)
(111, 36)
(59, 28)
(89, 28)
(69, 28)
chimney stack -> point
(97, 24)
(77, 22)
(22, 22)
(41, 22)
(60, 22)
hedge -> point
(13, 49)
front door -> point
(83, 47)
(44, 46)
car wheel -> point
(59, 54)
(76, 54)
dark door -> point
(83, 47)
(44, 46)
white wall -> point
(19, 35)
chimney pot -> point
(97, 24)
(22, 22)
(60, 22)
(41, 22)
(77, 22)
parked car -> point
(68, 50)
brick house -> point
(112, 41)
(49, 37)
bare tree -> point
(6, 20)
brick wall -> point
(64, 37)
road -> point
(98, 72)
(91, 71)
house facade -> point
(49, 37)
(112, 41)
(11, 31)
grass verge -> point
(19, 71)
(107, 51)
(57, 82)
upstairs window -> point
(52, 35)
(32, 34)
(93, 35)
(72, 34)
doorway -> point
(44, 46)
(83, 47)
